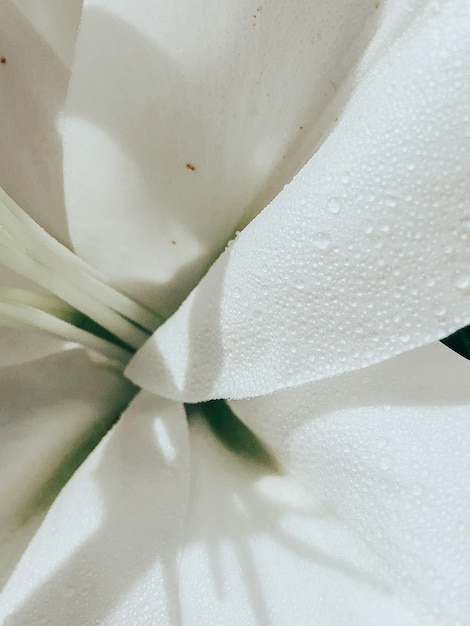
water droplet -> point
(440, 310)
(236, 293)
(322, 241)
(345, 178)
(381, 442)
(368, 227)
(334, 205)
(462, 282)
(257, 314)
(385, 462)
(390, 201)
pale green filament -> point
(30, 251)
(22, 316)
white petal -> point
(37, 41)
(108, 550)
(262, 550)
(363, 256)
(53, 412)
(185, 119)
(386, 452)
(20, 345)
(56, 22)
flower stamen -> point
(29, 250)
(18, 315)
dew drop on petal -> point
(417, 490)
(381, 442)
(440, 310)
(385, 462)
(334, 205)
(322, 241)
(462, 282)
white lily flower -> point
(177, 126)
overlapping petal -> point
(363, 256)
(108, 550)
(261, 550)
(382, 459)
(37, 43)
(36, 48)
(185, 119)
(53, 412)
(386, 451)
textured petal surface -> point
(52, 413)
(107, 552)
(260, 550)
(363, 256)
(380, 534)
(386, 452)
(185, 119)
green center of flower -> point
(80, 306)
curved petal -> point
(19, 345)
(363, 256)
(37, 42)
(22, 346)
(108, 550)
(185, 119)
(260, 549)
(53, 412)
(386, 451)
(55, 22)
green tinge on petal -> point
(234, 435)
(59, 475)
(58, 308)
(49, 426)
(30, 251)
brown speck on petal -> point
(3, 60)
(173, 242)
(190, 166)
